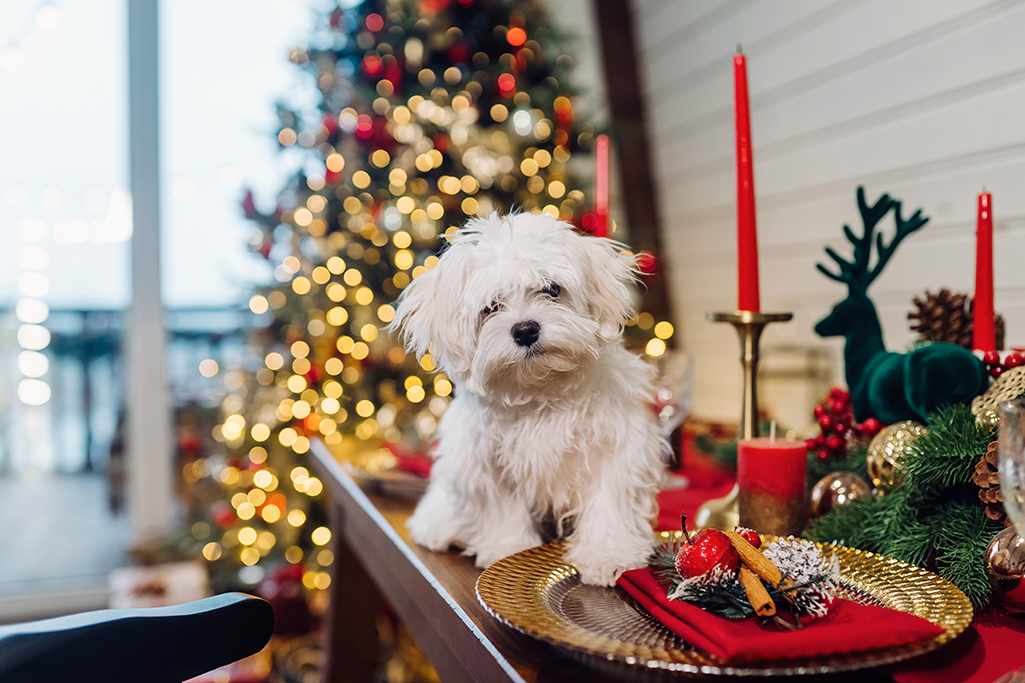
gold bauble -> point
(887, 451)
(988, 418)
(1005, 556)
(835, 490)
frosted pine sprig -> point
(815, 579)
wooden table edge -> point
(458, 655)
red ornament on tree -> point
(646, 262)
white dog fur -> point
(559, 428)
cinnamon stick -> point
(753, 558)
(756, 593)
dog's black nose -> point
(526, 333)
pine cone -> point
(987, 478)
(947, 317)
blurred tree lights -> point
(430, 112)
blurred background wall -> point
(921, 98)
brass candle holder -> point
(724, 513)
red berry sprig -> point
(998, 367)
(835, 416)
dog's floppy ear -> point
(424, 317)
(608, 271)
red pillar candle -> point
(601, 186)
(984, 335)
(772, 475)
(747, 238)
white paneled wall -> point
(924, 99)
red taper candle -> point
(601, 186)
(984, 337)
(747, 238)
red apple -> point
(705, 550)
(750, 535)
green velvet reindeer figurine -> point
(885, 385)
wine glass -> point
(1012, 461)
(1007, 550)
(674, 388)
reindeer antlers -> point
(856, 273)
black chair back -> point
(159, 645)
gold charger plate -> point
(538, 593)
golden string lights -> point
(402, 151)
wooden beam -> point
(632, 143)
(150, 443)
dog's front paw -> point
(603, 569)
(600, 574)
(489, 553)
(433, 524)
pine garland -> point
(935, 517)
(962, 550)
(946, 456)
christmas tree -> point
(429, 113)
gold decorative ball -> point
(887, 451)
(988, 418)
(835, 490)
(1005, 556)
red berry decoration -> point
(836, 422)
(991, 358)
(705, 550)
(870, 427)
(1013, 360)
(749, 535)
(995, 372)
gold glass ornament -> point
(988, 418)
(1008, 386)
(835, 490)
(1005, 556)
(887, 451)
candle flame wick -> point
(772, 432)
(740, 49)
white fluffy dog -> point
(550, 420)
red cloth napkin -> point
(418, 463)
(849, 626)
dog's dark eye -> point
(489, 309)
(553, 290)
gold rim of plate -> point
(537, 593)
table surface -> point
(435, 596)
